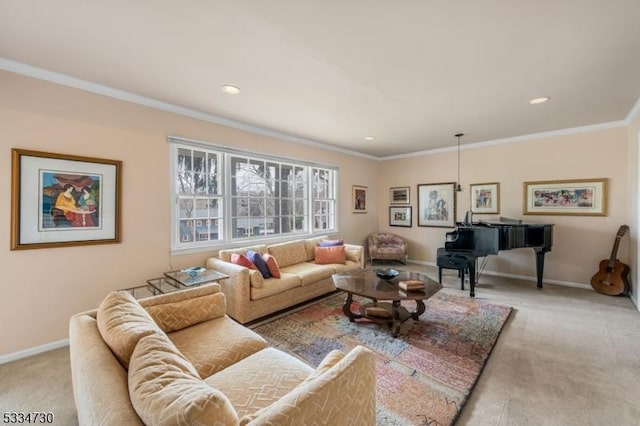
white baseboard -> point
(33, 351)
(519, 277)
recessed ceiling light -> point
(539, 100)
(369, 138)
(230, 89)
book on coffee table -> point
(410, 285)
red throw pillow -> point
(327, 255)
(242, 260)
(272, 265)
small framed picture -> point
(485, 198)
(437, 204)
(359, 199)
(400, 195)
(400, 216)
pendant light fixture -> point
(458, 186)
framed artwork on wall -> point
(437, 204)
(400, 195)
(60, 200)
(485, 198)
(359, 199)
(400, 216)
(572, 197)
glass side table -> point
(178, 280)
(142, 291)
(185, 280)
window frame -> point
(227, 236)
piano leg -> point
(539, 264)
(472, 276)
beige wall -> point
(42, 288)
(579, 242)
(634, 209)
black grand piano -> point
(479, 239)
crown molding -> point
(634, 113)
(66, 80)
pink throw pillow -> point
(327, 255)
(242, 260)
(272, 265)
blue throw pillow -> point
(260, 263)
(331, 243)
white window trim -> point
(195, 247)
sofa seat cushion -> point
(273, 286)
(288, 253)
(260, 380)
(310, 273)
(310, 245)
(214, 345)
(122, 322)
(165, 388)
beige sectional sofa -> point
(177, 359)
(250, 296)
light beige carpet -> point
(567, 356)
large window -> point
(225, 195)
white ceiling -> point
(410, 73)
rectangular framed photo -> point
(572, 197)
(485, 198)
(400, 216)
(400, 195)
(437, 204)
(60, 200)
(359, 199)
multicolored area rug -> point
(425, 375)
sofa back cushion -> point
(289, 253)
(122, 322)
(225, 255)
(310, 245)
(165, 388)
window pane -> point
(186, 208)
(257, 207)
(184, 180)
(239, 206)
(212, 174)
(202, 208)
(186, 231)
(299, 206)
(286, 207)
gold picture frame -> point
(359, 199)
(571, 197)
(60, 200)
(485, 198)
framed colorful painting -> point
(359, 199)
(437, 204)
(573, 197)
(60, 200)
(485, 198)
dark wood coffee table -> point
(366, 284)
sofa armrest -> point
(237, 288)
(345, 395)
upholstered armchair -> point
(387, 246)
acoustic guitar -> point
(611, 279)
